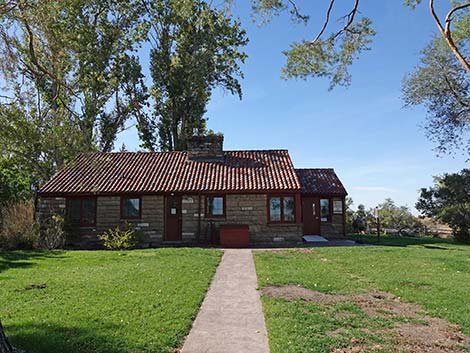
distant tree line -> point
(393, 219)
(447, 202)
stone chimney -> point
(206, 148)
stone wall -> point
(250, 209)
(108, 215)
(51, 205)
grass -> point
(103, 301)
(433, 275)
(393, 240)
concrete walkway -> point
(231, 318)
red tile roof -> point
(162, 172)
(320, 181)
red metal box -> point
(234, 235)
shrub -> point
(19, 228)
(122, 237)
(52, 235)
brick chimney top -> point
(206, 148)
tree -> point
(448, 201)
(14, 183)
(442, 85)
(330, 53)
(397, 217)
(71, 78)
(195, 48)
(5, 346)
(440, 82)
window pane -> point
(215, 206)
(131, 208)
(73, 212)
(275, 209)
(324, 209)
(337, 207)
(289, 215)
(88, 211)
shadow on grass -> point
(403, 241)
(52, 338)
(24, 258)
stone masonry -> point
(250, 209)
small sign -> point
(376, 212)
(173, 210)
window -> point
(82, 211)
(215, 206)
(281, 209)
(130, 207)
(337, 207)
(325, 210)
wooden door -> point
(311, 215)
(172, 218)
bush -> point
(19, 228)
(52, 235)
(122, 237)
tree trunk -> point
(4, 345)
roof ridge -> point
(161, 152)
(314, 168)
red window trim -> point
(206, 213)
(82, 198)
(123, 197)
(282, 221)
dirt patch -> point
(412, 332)
(292, 292)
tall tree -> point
(449, 202)
(70, 77)
(195, 48)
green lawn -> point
(392, 240)
(103, 301)
(435, 276)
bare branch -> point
(350, 16)
(296, 11)
(346, 28)
(7, 7)
(327, 20)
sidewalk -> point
(231, 318)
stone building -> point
(185, 197)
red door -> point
(172, 218)
(311, 215)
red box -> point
(234, 235)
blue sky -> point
(377, 147)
